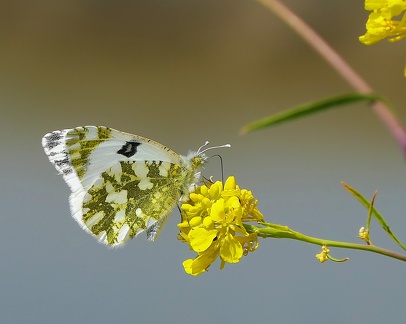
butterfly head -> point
(195, 160)
(198, 158)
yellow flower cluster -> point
(381, 24)
(212, 225)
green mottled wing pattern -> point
(81, 142)
(130, 197)
(122, 184)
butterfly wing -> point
(121, 184)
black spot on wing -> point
(129, 148)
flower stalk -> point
(282, 231)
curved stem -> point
(280, 231)
(339, 64)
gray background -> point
(182, 72)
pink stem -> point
(339, 64)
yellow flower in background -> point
(212, 225)
(387, 19)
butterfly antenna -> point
(199, 151)
(205, 144)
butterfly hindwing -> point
(131, 197)
(121, 184)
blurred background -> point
(182, 72)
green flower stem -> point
(281, 231)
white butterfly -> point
(122, 184)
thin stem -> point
(339, 64)
(280, 231)
(348, 245)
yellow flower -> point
(323, 255)
(364, 235)
(381, 24)
(212, 225)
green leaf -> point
(376, 214)
(309, 108)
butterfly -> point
(122, 184)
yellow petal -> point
(230, 183)
(201, 239)
(195, 221)
(206, 203)
(234, 208)
(204, 191)
(231, 250)
(208, 223)
(195, 197)
(199, 265)
(217, 212)
(215, 190)
(192, 268)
